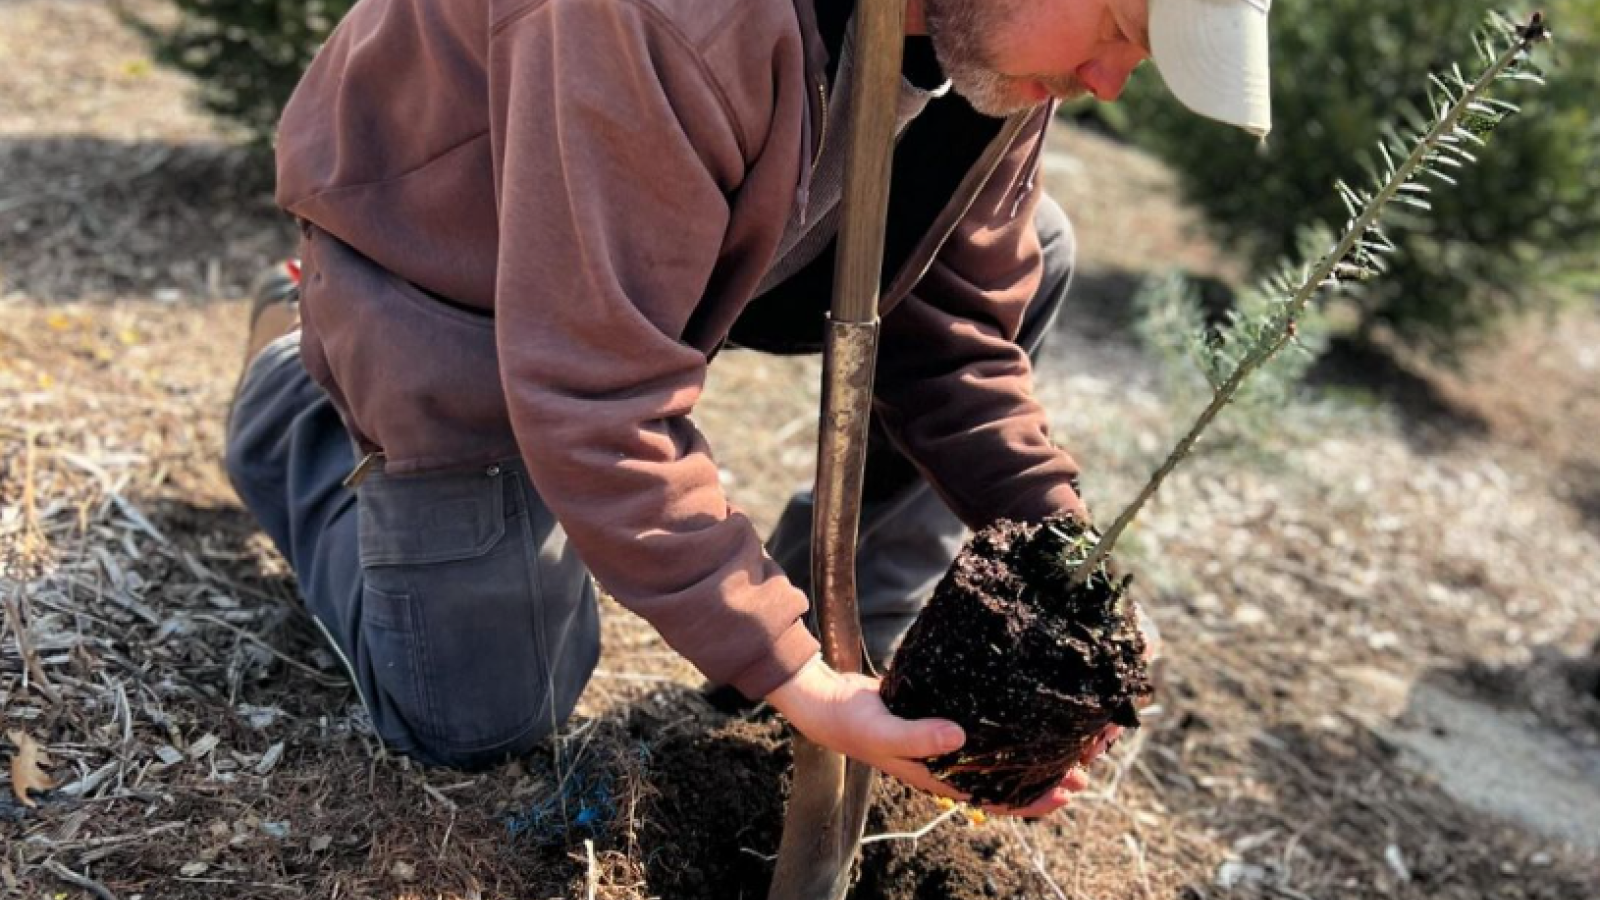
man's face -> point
(1004, 56)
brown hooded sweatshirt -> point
(530, 224)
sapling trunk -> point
(1029, 642)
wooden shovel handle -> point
(828, 803)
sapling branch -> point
(1463, 114)
(1030, 642)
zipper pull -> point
(1030, 169)
(362, 470)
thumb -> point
(908, 739)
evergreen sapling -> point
(1030, 641)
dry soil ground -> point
(1372, 615)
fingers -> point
(1106, 739)
(917, 776)
(1076, 780)
(860, 726)
(888, 735)
(1053, 800)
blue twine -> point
(551, 820)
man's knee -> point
(475, 714)
(471, 709)
(478, 627)
(454, 752)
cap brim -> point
(1212, 54)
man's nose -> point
(1106, 77)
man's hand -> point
(845, 714)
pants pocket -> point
(451, 613)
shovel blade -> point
(822, 831)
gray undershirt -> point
(810, 230)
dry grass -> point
(207, 747)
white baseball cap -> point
(1213, 56)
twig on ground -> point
(913, 835)
(90, 781)
(448, 830)
(256, 884)
(33, 669)
(117, 840)
(444, 801)
(280, 655)
(76, 880)
(594, 867)
(1136, 850)
(1037, 860)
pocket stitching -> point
(403, 600)
(410, 637)
(496, 516)
(531, 562)
(420, 647)
(433, 722)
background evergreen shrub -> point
(247, 55)
(1525, 221)
(1522, 229)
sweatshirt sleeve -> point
(953, 388)
(615, 157)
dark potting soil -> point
(1030, 667)
(717, 811)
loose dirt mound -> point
(710, 816)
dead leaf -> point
(205, 745)
(25, 772)
(269, 760)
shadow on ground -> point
(1583, 491)
(1431, 421)
(1100, 303)
(1558, 689)
(94, 218)
(690, 805)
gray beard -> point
(989, 92)
(956, 27)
